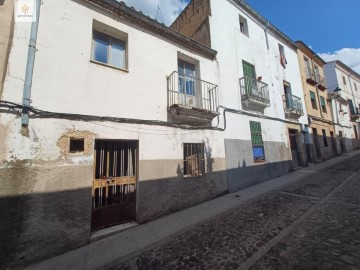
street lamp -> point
(337, 90)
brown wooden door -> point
(114, 183)
(294, 149)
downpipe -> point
(30, 67)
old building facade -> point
(121, 127)
(262, 91)
(321, 145)
(345, 83)
(111, 117)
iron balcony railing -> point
(320, 80)
(310, 75)
(192, 92)
(255, 90)
(354, 111)
(293, 104)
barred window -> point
(194, 161)
(257, 142)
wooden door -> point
(294, 149)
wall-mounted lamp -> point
(337, 90)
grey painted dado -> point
(242, 172)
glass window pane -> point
(117, 54)
(101, 44)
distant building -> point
(345, 83)
(322, 144)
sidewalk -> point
(110, 251)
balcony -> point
(191, 100)
(320, 81)
(254, 93)
(354, 114)
(310, 76)
(292, 106)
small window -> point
(194, 161)
(355, 86)
(283, 61)
(313, 100)
(344, 80)
(109, 50)
(244, 26)
(324, 138)
(323, 104)
(257, 142)
(76, 145)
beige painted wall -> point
(308, 87)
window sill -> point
(109, 66)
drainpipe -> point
(266, 36)
(30, 67)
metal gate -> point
(114, 183)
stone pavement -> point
(308, 219)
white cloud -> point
(169, 9)
(349, 56)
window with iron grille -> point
(194, 161)
(257, 142)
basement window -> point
(244, 26)
(76, 145)
(194, 161)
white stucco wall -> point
(65, 80)
(233, 47)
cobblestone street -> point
(312, 224)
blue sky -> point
(330, 27)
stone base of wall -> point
(241, 170)
(45, 211)
(161, 196)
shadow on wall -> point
(36, 226)
(323, 149)
(246, 176)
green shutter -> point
(322, 101)
(257, 142)
(312, 95)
